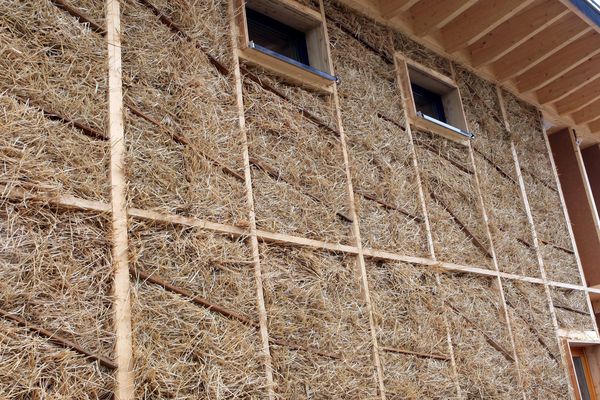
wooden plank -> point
(415, 353)
(588, 113)
(124, 388)
(568, 58)
(532, 226)
(57, 339)
(258, 278)
(406, 96)
(430, 15)
(571, 81)
(360, 261)
(392, 8)
(492, 252)
(547, 42)
(515, 31)
(477, 21)
(595, 125)
(581, 98)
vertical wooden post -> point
(124, 389)
(355, 224)
(535, 240)
(402, 73)
(260, 298)
(488, 233)
(568, 219)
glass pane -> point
(583, 384)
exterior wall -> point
(282, 243)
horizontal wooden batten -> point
(72, 202)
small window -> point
(277, 37)
(428, 102)
(433, 101)
(286, 37)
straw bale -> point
(302, 98)
(366, 30)
(49, 57)
(313, 298)
(314, 4)
(454, 188)
(484, 372)
(33, 368)
(409, 315)
(209, 265)
(416, 52)
(205, 21)
(183, 351)
(509, 226)
(409, 377)
(94, 9)
(48, 155)
(535, 341)
(571, 309)
(173, 83)
(57, 272)
(379, 148)
(309, 160)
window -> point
(287, 38)
(433, 101)
(582, 374)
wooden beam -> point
(430, 15)
(570, 82)
(360, 259)
(514, 32)
(547, 42)
(581, 98)
(595, 125)
(477, 21)
(402, 75)
(57, 339)
(258, 277)
(124, 387)
(415, 353)
(588, 113)
(568, 58)
(392, 8)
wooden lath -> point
(543, 51)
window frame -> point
(317, 75)
(455, 129)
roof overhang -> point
(547, 52)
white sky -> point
(595, 3)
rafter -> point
(594, 125)
(392, 8)
(512, 33)
(559, 63)
(588, 113)
(479, 20)
(570, 81)
(429, 15)
(547, 42)
(581, 98)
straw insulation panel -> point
(340, 324)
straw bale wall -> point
(201, 271)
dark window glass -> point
(428, 102)
(277, 37)
(583, 384)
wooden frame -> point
(413, 72)
(580, 350)
(299, 17)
